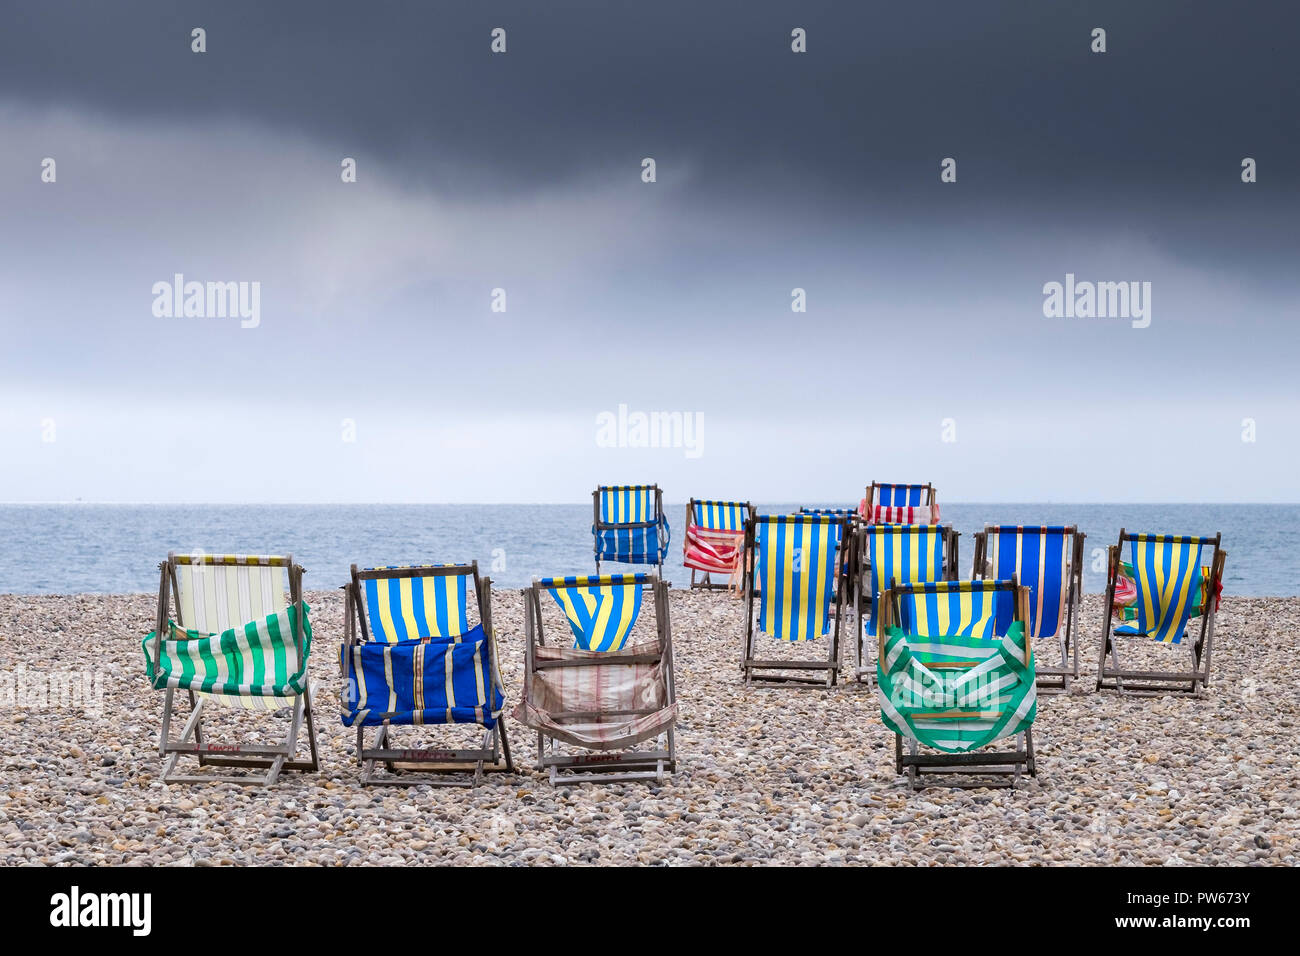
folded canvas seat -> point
(952, 680)
(622, 699)
(899, 514)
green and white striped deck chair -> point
(954, 675)
(240, 640)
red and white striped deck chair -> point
(899, 504)
(715, 540)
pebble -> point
(764, 776)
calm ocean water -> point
(116, 548)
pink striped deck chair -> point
(715, 539)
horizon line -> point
(480, 504)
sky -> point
(378, 371)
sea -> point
(116, 548)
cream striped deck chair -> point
(610, 690)
(219, 596)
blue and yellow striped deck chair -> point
(411, 658)
(611, 690)
(1048, 560)
(220, 597)
(956, 674)
(901, 554)
(629, 525)
(846, 552)
(1171, 589)
(715, 532)
(793, 563)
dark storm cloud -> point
(818, 171)
(886, 90)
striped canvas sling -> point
(601, 609)
(795, 570)
(257, 660)
(956, 694)
(958, 608)
(1168, 577)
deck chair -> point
(237, 642)
(793, 562)
(629, 525)
(1048, 560)
(410, 658)
(715, 539)
(1170, 587)
(899, 504)
(903, 553)
(953, 680)
(604, 694)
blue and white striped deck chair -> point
(793, 562)
(411, 658)
(899, 504)
(1171, 586)
(629, 525)
(613, 689)
(902, 554)
(1048, 560)
(900, 496)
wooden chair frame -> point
(407, 766)
(1189, 683)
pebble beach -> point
(765, 776)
